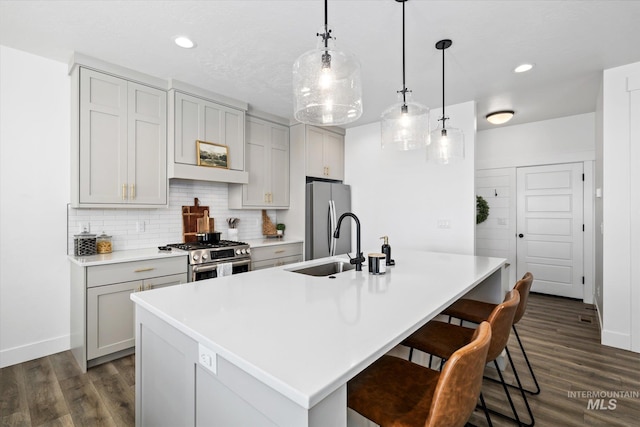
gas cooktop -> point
(190, 246)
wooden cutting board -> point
(190, 217)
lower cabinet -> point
(102, 313)
(275, 255)
(110, 317)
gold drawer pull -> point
(132, 195)
(280, 251)
(140, 270)
(124, 191)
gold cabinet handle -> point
(140, 270)
(132, 194)
(280, 251)
(270, 197)
(124, 191)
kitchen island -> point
(276, 348)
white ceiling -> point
(246, 48)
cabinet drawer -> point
(276, 262)
(136, 270)
(275, 251)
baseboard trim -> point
(12, 356)
(616, 339)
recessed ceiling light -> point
(184, 42)
(500, 117)
(523, 68)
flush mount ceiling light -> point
(405, 125)
(327, 86)
(500, 117)
(522, 68)
(184, 42)
(446, 144)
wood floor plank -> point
(64, 365)
(44, 396)
(17, 419)
(11, 399)
(84, 402)
(126, 367)
(119, 399)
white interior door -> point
(550, 228)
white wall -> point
(562, 140)
(621, 207)
(400, 195)
(34, 191)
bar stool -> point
(478, 311)
(396, 392)
(441, 339)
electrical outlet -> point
(208, 358)
(502, 221)
(85, 226)
(444, 223)
(140, 225)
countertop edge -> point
(131, 255)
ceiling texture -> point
(245, 49)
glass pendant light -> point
(446, 144)
(405, 125)
(327, 86)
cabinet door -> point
(110, 318)
(334, 155)
(103, 138)
(161, 282)
(147, 172)
(279, 166)
(315, 158)
(199, 119)
(256, 191)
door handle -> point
(521, 235)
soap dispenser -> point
(386, 249)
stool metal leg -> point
(524, 353)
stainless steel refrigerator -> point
(325, 202)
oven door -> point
(210, 271)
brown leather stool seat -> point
(442, 339)
(396, 392)
(479, 311)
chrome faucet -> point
(359, 258)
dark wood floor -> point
(561, 342)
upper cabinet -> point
(324, 154)
(195, 116)
(267, 162)
(119, 143)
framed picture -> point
(213, 155)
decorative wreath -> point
(482, 210)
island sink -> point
(323, 270)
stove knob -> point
(248, 250)
(244, 251)
(237, 251)
(195, 257)
(204, 256)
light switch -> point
(207, 358)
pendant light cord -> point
(444, 117)
(404, 86)
(326, 25)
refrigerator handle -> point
(334, 220)
(330, 228)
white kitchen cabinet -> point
(102, 311)
(119, 155)
(275, 255)
(267, 161)
(194, 117)
(324, 153)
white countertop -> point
(272, 241)
(305, 336)
(126, 256)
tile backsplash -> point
(143, 228)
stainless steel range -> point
(204, 258)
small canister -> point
(103, 244)
(84, 244)
(377, 263)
